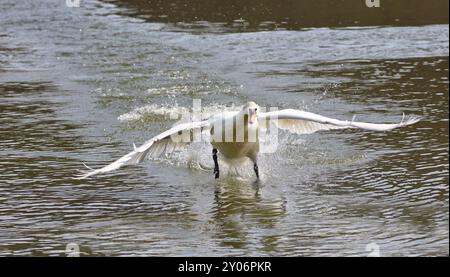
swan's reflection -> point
(244, 212)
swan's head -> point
(251, 110)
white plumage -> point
(244, 128)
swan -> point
(235, 135)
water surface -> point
(84, 84)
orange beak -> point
(252, 117)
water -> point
(82, 84)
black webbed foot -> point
(216, 164)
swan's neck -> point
(251, 131)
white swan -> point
(235, 135)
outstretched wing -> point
(302, 122)
(165, 142)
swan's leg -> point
(255, 167)
(216, 164)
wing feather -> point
(155, 147)
(302, 122)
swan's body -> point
(228, 142)
(235, 135)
